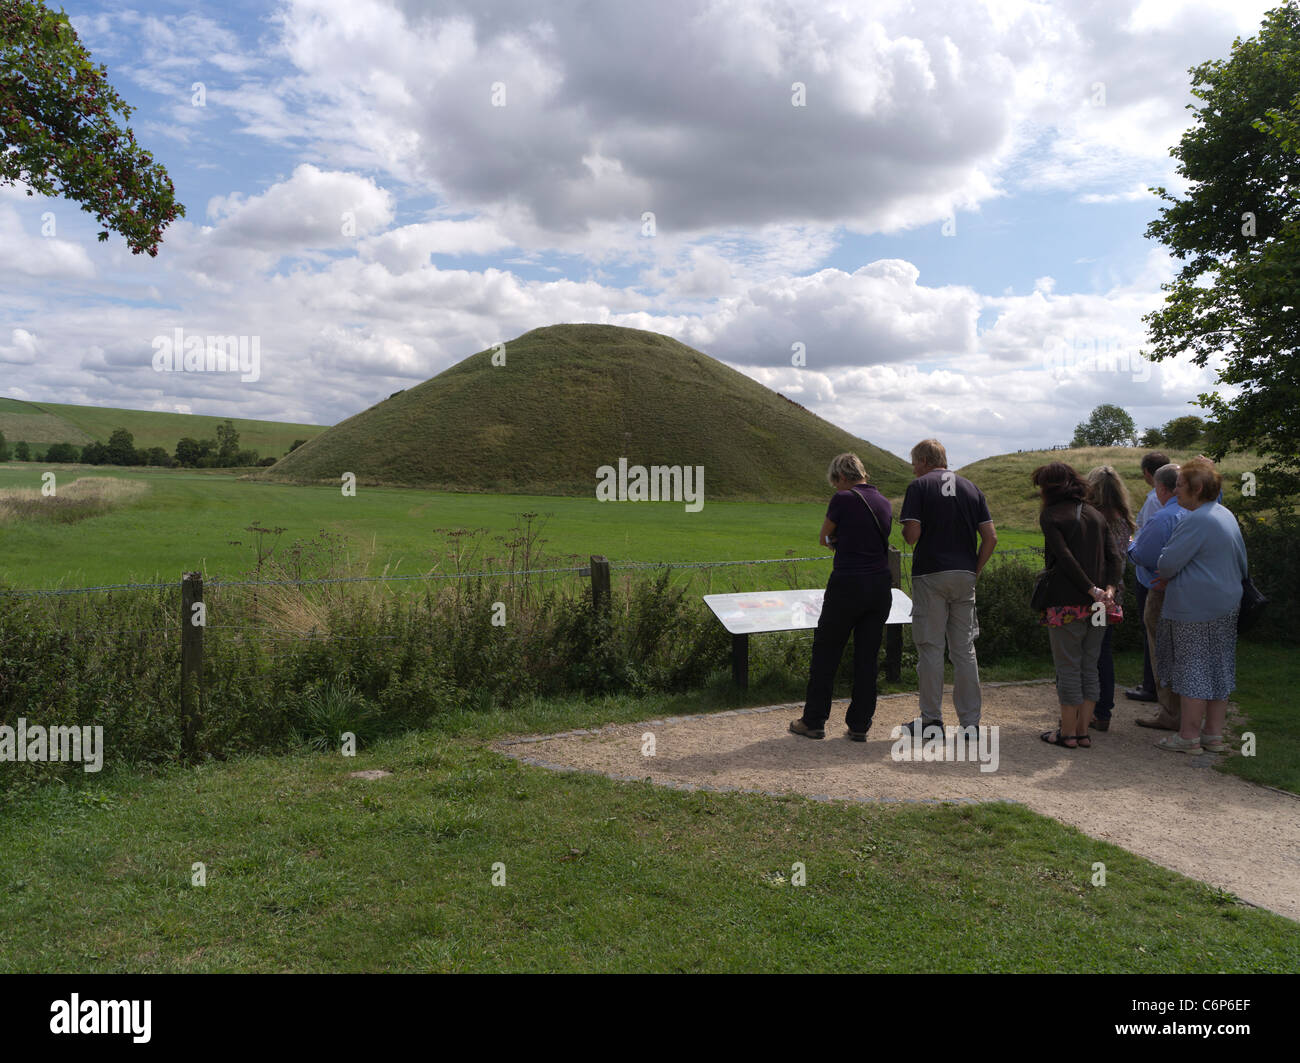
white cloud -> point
(409, 246)
(22, 348)
(309, 210)
(878, 314)
(30, 254)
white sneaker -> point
(1176, 743)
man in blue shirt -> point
(1145, 552)
(1146, 690)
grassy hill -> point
(572, 398)
(28, 422)
(1013, 500)
(42, 423)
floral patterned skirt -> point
(1199, 657)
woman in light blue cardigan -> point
(1201, 567)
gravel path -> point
(1170, 808)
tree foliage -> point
(1108, 426)
(121, 448)
(227, 442)
(1237, 296)
(58, 133)
(188, 452)
(63, 452)
(1183, 432)
(94, 453)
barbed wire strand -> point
(489, 574)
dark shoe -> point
(1055, 738)
(1100, 725)
(1156, 721)
(1140, 694)
(857, 736)
(800, 728)
(1084, 741)
(922, 726)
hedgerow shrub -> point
(1273, 552)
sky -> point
(915, 219)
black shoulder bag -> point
(1252, 605)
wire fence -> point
(574, 570)
(250, 625)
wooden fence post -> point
(894, 632)
(192, 624)
(599, 583)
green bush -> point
(1008, 626)
(329, 710)
(1273, 551)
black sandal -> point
(1084, 741)
(1055, 738)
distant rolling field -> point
(43, 423)
(188, 520)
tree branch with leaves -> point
(1237, 296)
(58, 133)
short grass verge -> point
(308, 869)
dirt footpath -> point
(1168, 807)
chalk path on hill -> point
(1171, 808)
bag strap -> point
(872, 511)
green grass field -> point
(310, 870)
(190, 520)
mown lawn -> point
(310, 870)
(1267, 680)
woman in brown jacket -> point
(1084, 565)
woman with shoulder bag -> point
(1083, 567)
(857, 599)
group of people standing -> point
(943, 516)
(1189, 558)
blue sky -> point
(956, 196)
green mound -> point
(573, 398)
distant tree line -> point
(220, 453)
(1111, 426)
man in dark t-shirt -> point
(943, 513)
